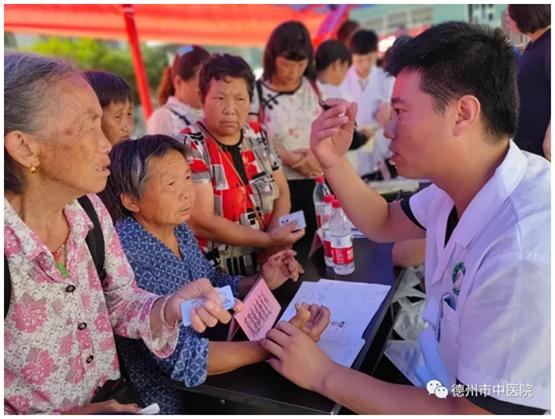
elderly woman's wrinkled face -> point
(168, 194)
(117, 121)
(226, 107)
(73, 151)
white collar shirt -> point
(488, 288)
(377, 90)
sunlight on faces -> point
(419, 135)
(73, 151)
(288, 73)
(118, 121)
(226, 107)
(168, 195)
(363, 63)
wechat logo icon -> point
(437, 389)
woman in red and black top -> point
(240, 186)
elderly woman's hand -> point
(281, 266)
(312, 319)
(105, 407)
(202, 316)
(285, 235)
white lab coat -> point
(377, 91)
(496, 327)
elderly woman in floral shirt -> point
(59, 330)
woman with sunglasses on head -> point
(178, 95)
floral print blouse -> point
(59, 343)
(287, 117)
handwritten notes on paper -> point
(352, 306)
(260, 311)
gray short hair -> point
(28, 86)
(128, 168)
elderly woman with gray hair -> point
(150, 194)
(64, 307)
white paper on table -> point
(352, 306)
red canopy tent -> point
(204, 24)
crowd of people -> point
(107, 235)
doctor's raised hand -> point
(332, 132)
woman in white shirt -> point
(332, 61)
(178, 96)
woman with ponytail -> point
(178, 95)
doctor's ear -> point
(130, 202)
(468, 111)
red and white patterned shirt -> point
(59, 333)
(235, 197)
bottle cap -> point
(335, 203)
(319, 179)
(328, 199)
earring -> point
(33, 169)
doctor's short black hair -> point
(456, 59)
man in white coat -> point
(486, 220)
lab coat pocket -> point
(449, 338)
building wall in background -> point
(394, 19)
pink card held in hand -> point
(260, 311)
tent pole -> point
(329, 25)
(138, 64)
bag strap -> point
(95, 238)
(180, 116)
(95, 243)
(261, 106)
(7, 287)
(315, 87)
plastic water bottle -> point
(320, 191)
(341, 241)
(328, 199)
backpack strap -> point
(7, 287)
(180, 116)
(261, 105)
(315, 87)
(95, 238)
(95, 243)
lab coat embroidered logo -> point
(457, 277)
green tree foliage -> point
(87, 53)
